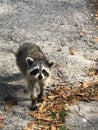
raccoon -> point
(35, 69)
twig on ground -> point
(78, 113)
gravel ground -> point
(56, 26)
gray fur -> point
(28, 58)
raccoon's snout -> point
(40, 77)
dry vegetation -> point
(53, 111)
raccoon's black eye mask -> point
(34, 72)
(45, 72)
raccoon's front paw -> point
(33, 108)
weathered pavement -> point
(55, 25)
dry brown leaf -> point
(96, 18)
(26, 128)
(45, 118)
(42, 107)
(43, 127)
(1, 125)
(31, 125)
(96, 26)
(52, 97)
(72, 51)
(9, 104)
(50, 106)
(81, 94)
(92, 73)
(86, 84)
(81, 34)
(42, 116)
(61, 84)
(92, 58)
(53, 127)
(96, 40)
(48, 118)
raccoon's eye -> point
(34, 72)
(45, 73)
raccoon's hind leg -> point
(33, 103)
(40, 96)
(33, 99)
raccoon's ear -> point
(29, 61)
(51, 63)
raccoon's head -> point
(39, 69)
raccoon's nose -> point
(40, 76)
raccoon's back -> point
(28, 50)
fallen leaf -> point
(43, 127)
(1, 125)
(96, 18)
(96, 26)
(2, 117)
(92, 73)
(53, 127)
(41, 108)
(52, 97)
(44, 118)
(81, 34)
(85, 84)
(9, 104)
(81, 94)
(96, 40)
(52, 112)
(72, 51)
(31, 125)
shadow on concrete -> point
(10, 78)
(9, 90)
